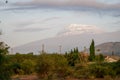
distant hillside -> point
(109, 48)
(71, 41)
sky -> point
(24, 21)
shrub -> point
(101, 70)
(52, 65)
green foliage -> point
(28, 66)
(3, 48)
(101, 70)
(22, 64)
(56, 66)
(52, 65)
(116, 67)
(44, 65)
(72, 57)
(4, 70)
(92, 51)
(81, 71)
(76, 50)
(25, 67)
(16, 68)
(0, 33)
(5, 73)
(99, 58)
(98, 71)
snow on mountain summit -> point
(79, 29)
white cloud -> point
(74, 29)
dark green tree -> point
(72, 56)
(92, 51)
(71, 51)
(76, 50)
(4, 69)
(0, 32)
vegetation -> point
(52, 66)
(4, 67)
(92, 51)
(72, 57)
(72, 64)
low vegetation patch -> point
(72, 65)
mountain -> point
(109, 48)
(68, 42)
(75, 35)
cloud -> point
(109, 1)
(24, 24)
(94, 6)
(80, 29)
(115, 24)
(28, 23)
(63, 4)
(118, 22)
(2, 3)
(30, 29)
(101, 7)
(50, 19)
(69, 3)
(33, 25)
(117, 14)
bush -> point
(5, 73)
(99, 58)
(52, 65)
(16, 68)
(28, 66)
(101, 70)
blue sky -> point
(24, 21)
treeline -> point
(72, 64)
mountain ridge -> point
(109, 48)
(67, 42)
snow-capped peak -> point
(79, 29)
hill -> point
(109, 48)
(69, 42)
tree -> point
(92, 51)
(0, 33)
(4, 69)
(73, 56)
(76, 50)
(0, 30)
